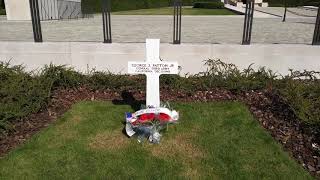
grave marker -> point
(153, 67)
(139, 122)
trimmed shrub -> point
(312, 3)
(228, 76)
(62, 76)
(301, 91)
(209, 5)
(22, 93)
(2, 8)
(2, 4)
(94, 6)
(2, 11)
(107, 80)
(294, 3)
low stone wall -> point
(84, 56)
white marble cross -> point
(153, 67)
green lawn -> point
(213, 140)
(169, 11)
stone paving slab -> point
(195, 29)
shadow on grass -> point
(128, 99)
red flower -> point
(164, 117)
(146, 117)
(150, 117)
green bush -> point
(312, 3)
(107, 80)
(2, 4)
(294, 3)
(176, 82)
(62, 76)
(301, 91)
(209, 5)
(22, 93)
(228, 76)
(2, 11)
(94, 6)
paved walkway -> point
(195, 29)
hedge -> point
(294, 3)
(93, 6)
(2, 11)
(2, 8)
(209, 5)
(22, 93)
(2, 4)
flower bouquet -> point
(148, 122)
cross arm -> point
(161, 67)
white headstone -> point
(153, 67)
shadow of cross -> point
(153, 67)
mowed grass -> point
(169, 11)
(212, 140)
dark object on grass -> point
(209, 5)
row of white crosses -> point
(153, 67)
